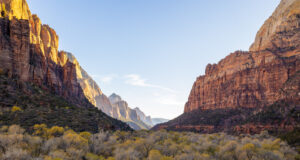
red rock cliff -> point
(29, 51)
(255, 78)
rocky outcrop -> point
(143, 117)
(15, 8)
(253, 79)
(247, 84)
(281, 30)
(29, 51)
(133, 117)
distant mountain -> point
(29, 54)
(156, 121)
(251, 91)
(143, 117)
(134, 117)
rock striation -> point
(134, 117)
(254, 78)
(143, 117)
(249, 81)
(29, 51)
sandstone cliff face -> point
(143, 117)
(253, 79)
(29, 51)
(15, 8)
(247, 92)
(281, 30)
(121, 111)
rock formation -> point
(249, 80)
(120, 110)
(252, 79)
(143, 117)
(29, 51)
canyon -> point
(29, 53)
(250, 81)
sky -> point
(150, 52)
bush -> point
(16, 109)
(155, 155)
(3, 11)
(60, 143)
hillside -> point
(29, 55)
(26, 104)
(251, 91)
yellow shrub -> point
(85, 135)
(75, 140)
(16, 109)
(55, 131)
(248, 146)
(3, 10)
(91, 156)
(275, 145)
(166, 158)
(40, 130)
(154, 155)
(205, 155)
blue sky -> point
(151, 51)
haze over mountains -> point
(134, 117)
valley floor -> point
(63, 143)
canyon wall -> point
(254, 78)
(29, 52)
(134, 117)
(250, 91)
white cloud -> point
(137, 80)
(105, 78)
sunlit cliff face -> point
(255, 78)
(44, 43)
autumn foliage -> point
(62, 143)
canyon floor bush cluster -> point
(58, 143)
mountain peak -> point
(114, 98)
(279, 21)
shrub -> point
(55, 144)
(155, 155)
(15, 129)
(16, 153)
(16, 109)
(3, 11)
(55, 131)
(40, 130)
(86, 135)
(91, 156)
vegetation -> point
(63, 143)
(26, 104)
(3, 10)
(15, 109)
